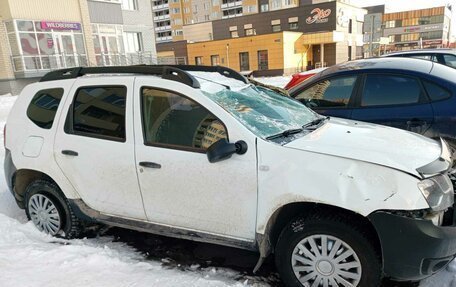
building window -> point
(234, 34)
(294, 26)
(198, 61)
(349, 53)
(178, 32)
(132, 41)
(186, 10)
(215, 60)
(215, 2)
(207, 18)
(244, 61)
(129, 5)
(264, 7)
(249, 32)
(276, 28)
(175, 10)
(350, 26)
(263, 60)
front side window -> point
(331, 93)
(428, 57)
(41, 110)
(263, 111)
(173, 121)
(386, 90)
(99, 112)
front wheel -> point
(327, 251)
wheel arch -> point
(22, 178)
(283, 215)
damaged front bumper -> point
(414, 248)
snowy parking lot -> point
(31, 258)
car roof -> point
(422, 51)
(399, 64)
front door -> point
(95, 146)
(180, 187)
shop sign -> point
(47, 25)
(318, 16)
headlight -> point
(438, 192)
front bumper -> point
(413, 249)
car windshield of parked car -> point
(263, 111)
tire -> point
(365, 263)
(58, 218)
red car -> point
(300, 77)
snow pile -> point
(29, 258)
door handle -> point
(149, 164)
(69, 152)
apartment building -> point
(425, 28)
(37, 36)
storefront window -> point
(38, 45)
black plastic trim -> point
(10, 170)
(412, 247)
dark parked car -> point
(445, 57)
(409, 94)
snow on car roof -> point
(213, 82)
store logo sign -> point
(318, 16)
(46, 25)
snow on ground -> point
(29, 258)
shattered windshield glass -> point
(263, 111)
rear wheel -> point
(324, 251)
(50, 210)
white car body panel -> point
(16, 141)
(288, 175)
(190, 192)
(104, 171)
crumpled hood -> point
(372, 143)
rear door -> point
(394, 100)
(94, 145)
(332, 96)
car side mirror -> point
(222, 150)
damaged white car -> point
(200, 153)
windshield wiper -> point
(285, 134)
(315, 122)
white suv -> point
(202, 154)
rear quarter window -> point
(435, 92)
(43, 107)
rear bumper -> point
(413, 249)
(9, 169)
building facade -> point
(425, 28)
(283, 41)
(39, 36)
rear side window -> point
(43, 107)
(428, 57)
(435, 92)
(99, 112)
(389, 90)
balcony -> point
(231, 16)
(160, 7)
(164, 39)
(163, 28)
(161, 18)
(231, 5)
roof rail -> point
(177, 73)
(166, 72)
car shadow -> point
(189, 255)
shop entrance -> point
(65, 50)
